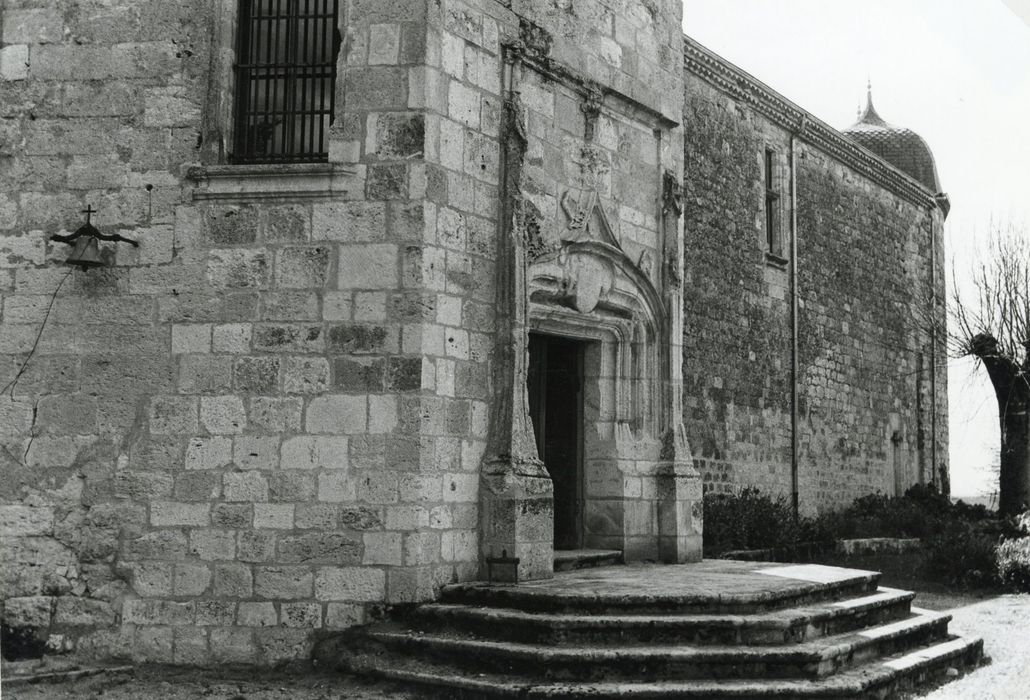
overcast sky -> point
(955, 71)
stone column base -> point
(517, 518)
(680, 513)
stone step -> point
(719, 587)
(773, 627)
(572, 559)
(585, 663)
(879, 678)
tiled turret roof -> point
(903, 148)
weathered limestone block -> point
(679, 495)
(32, 26)
(518, 521)
(83, 612)
(283, 582)
(232, 581)
(276, 645)
(350, 583)
(24, 521)
(26, 623)
(210, 544)
(321, 547)
(680, 513)
(301, 615)
(223, 414)
(273, 516)
(368, 266)
(14, 62)
(28, 612)
(191, 579)
(190, 647)
(233, 645)
(159, 612)
(152, 578)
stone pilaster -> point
(516, 498)
(678, 484)
(680, 511)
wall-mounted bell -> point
(86, 249)
(86, 253)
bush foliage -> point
(748, 519)
(1013, 557)
(961, 555)
(965, 545)
(1014, 564)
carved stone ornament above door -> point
(587, 270)
(587, 220)
(588, 279)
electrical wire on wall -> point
(32, 351)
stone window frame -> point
(216, 177)
(773, 205)
(219, 119)
(260, 39)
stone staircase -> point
(709, 630)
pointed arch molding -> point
(584, 268)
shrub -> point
(921, 512)
(929, 499)
(1013, 555)
(962, 556)
(748, 519)
(973, 512)
(1023, 522)
(1013, 561)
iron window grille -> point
(285, 80)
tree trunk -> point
(1014, 483)
(1012, 389)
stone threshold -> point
(572, 559)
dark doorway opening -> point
(556, 407)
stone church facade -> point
(422, 291)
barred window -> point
(285, 80)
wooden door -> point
(556, 409)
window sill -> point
(774, 260)
(242, 183)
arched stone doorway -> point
(607, 305)
(589, 299)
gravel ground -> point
(1004, 624)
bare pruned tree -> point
(991, 323)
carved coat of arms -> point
(588, 278)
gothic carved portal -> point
(606, 300)
(583, 286)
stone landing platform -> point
(715, 629)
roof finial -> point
(869, 115)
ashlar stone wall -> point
(217, 445)
(864, 261)
(269, 419)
